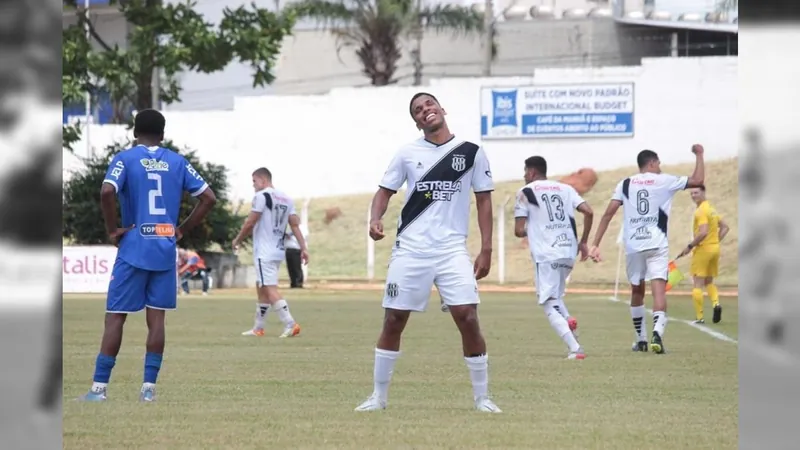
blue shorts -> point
(132, 289)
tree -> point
(81, 203)
(375, 29)
(164, 39)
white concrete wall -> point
(341, 142)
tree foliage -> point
(170, 38)
(82, 215)
(376, 28)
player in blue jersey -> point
(149, 182)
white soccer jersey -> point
(646, 202)
(549, 206)
(435, 217)
(275, 208)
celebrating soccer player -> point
(545, 213)
(271, 211)
(646, 199)
(709, 231)
(149, 181)
(430, 247)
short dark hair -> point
(416, 96)
(149, 122)
(538, 163)
(263, 172)
(645, 157)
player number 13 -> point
(155, 193)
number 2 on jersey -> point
(643, 202)
(557, 205)
(154, 194)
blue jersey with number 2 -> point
(150, 182)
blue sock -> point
(152, 364)
(102, 368)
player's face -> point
(428, 114)
(654, 166)
(530, 174)
(259, 183)
(698, 196)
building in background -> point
(531, 34)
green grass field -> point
(338, 250)
(220, 390)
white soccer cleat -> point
(290, 331)
(254, 332)
(373, 403)
(485, 404)
(577, 355)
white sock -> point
(637, 315)
(97, 387)
(659, 322)
(382, 373)
(562, 308)
(479, 374)
(148, 385)
(261, 315)
(560, 325)
(283, 312)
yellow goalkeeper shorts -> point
(705, 261)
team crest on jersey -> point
(420, 166)
(459, 163)
(152, 165)
(391, 290)
(157, 230)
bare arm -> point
(294, 224)
(483, 202)
(519, 227)
(611, 210)
(205, 202)
(699, 175)
(723, 230)
(702, 233)
(379, 203)
(248, 226)
(588, 218)
(108, 203)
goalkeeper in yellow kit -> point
(709, 231)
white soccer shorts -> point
(267, 272)
(410, 279)
(551, 278)
(647, 265)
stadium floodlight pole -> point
(501, 240)
(620, 246)
(88, 95)
(304, 220)
(370, 249)
(488, 26)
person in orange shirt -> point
(709, 231)
(192, 267)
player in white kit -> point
(545, 213)
(271, 212)
(430, 249)
(646, 199)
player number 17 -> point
(154, 194)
